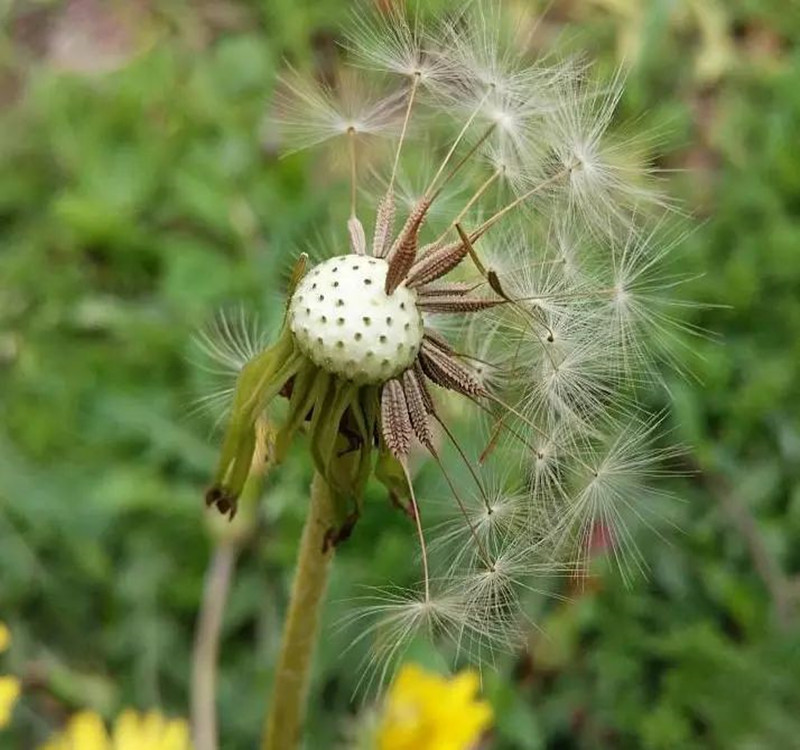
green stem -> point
(283, 727)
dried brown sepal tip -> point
(489, 274)
(335, 535)
(447, 289)
(225, 503)
(494, 282)
(406, 508)
(358, 241)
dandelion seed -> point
(392, 619)
(643, 320)
(391, 42)
(222, 351)
(308, 113)
(607, 178)
(495, 518)
(612, 487)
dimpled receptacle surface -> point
(344, 321)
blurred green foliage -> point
(137, 200)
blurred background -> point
(140, 192)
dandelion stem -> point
(284, 722)
(418, 522)
(411, 95)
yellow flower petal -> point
(132, 731)
(425, 711)
(151, 730)
(9, 693)
(84, 731)
(176, 736)
(127, 732)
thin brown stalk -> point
(462, 161)
(473, 531)
(466, 461)
(777, 583)
(494, 283)
(205, 654)
(216, 588)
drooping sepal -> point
(259, 382)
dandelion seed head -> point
(518, 282)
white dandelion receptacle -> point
(345, 322)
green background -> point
(143, 194)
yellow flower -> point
(9, 692)
(85, 731)
(132, 731)
(425, 711)
(9, 686)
